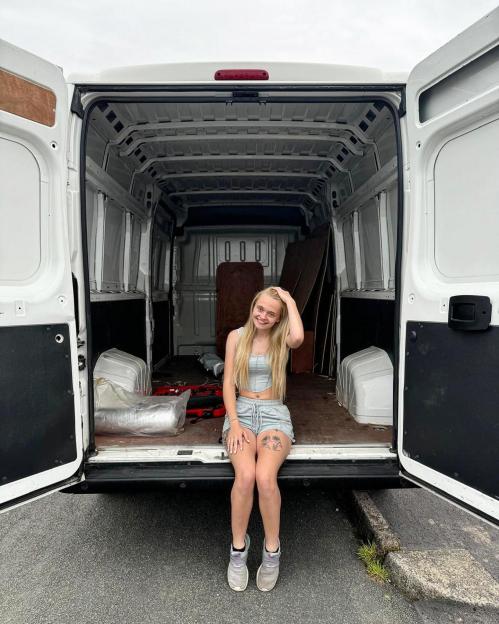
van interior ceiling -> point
(306, 189)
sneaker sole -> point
(264, 589)
(239, 589)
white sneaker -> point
(237, 572)
(268, 572)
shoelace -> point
(256, 417)
(270, 560)
(236, 559)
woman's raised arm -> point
(296, 335)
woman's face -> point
(266, 312)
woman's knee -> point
(266, 482)
(245, 479)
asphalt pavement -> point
(161, 556)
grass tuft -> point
(378, 571)
(368, 553)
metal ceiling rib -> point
(197, 127)
(237, 153)
(208, 162)
(215, 140)
(245, 192)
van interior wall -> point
(366, 323)
(201, 250)
(302, 265)
(238, 183)
(120, 325)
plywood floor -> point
(317, 417)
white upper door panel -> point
(448, 431)
(40, 420)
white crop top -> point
(259, 371)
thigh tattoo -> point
(272, 442)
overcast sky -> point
(88, 35)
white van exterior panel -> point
(432, 231)
(292, 73)
(41, 293)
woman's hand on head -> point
(283, 294)
(236, 437)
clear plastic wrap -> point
(120, 412)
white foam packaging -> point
(365, 386)
(125, 370)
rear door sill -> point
(216, 454)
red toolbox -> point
(206, 400)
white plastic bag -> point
(120, 412)
(212, 362)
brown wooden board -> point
(323, 367)
(323, 311)
(26, 99)
(302, 359)
(311, 254)
(292, 266)
(237, 283)
(332, 344)
(316, 302)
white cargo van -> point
(122, 192)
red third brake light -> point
(241, 74)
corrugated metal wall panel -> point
(200, 251)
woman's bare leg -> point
(273, 447)
(241, 496)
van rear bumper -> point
(357, 474)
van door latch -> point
(82, 362)
(469, 312)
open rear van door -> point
(40, 421)
(448, 436)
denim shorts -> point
(258, 415)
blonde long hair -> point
(278, 349)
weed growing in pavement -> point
(368, 553)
